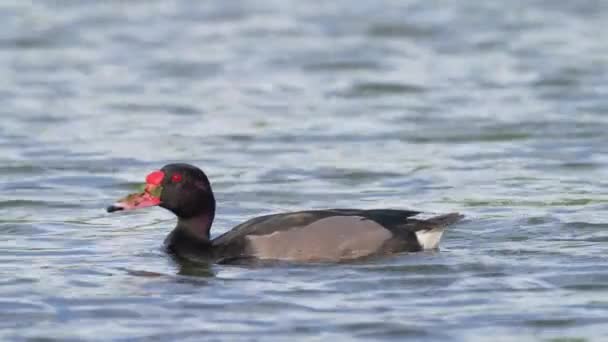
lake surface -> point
(496, 109)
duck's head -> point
(183, 189)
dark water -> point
(496, 109)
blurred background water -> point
(496, 109)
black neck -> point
(191, 237)
(198, 227)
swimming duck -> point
(331, 235)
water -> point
(495, 109)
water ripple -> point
(493, 109)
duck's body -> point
(316, 235)
(330, 235)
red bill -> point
(148, 198)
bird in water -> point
(330, 235)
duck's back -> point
(332, 235)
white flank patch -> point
(429, 239)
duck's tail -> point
(430, 236)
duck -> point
(320, 235)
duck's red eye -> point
(176, 178)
